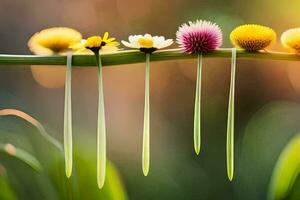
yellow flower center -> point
(145, 42)
(252, 37)
(94, 42)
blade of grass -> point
(146, 129)
(197, 111)
(230, 120)
(34, 122)
(68, 143)
(101, 130)
(63, 182)
(286, 171)
(21, 155)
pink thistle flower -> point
(199, 37)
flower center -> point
(94, 42)
(145, 42)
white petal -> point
(148, 36)
(165, 44)
(133, 39)
(157, 40)
(127, 44)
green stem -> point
(68, 146)
(34, 122)
(101, 130)
(130, 57)
(230, 121)
(146, 130)
(197, 111)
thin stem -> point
(68, 146)
(230, 121)
(101, 130)
(146, 130)
(130, 57)
(197, 111)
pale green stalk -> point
(68, 146)
(101, 130)
(23, 156)
(230, 120)
(197, 111)
(132, 56)
(146, 130)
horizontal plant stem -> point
(130, 57)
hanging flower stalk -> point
(290, 39)
(147, 44)
(199, 37)
(95, 44)
(230, 120)
(56, 41)
(252, 38)
(68, 141)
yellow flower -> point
(291, 39)
(79, 48)
(95, 43)
(252, 37)
(53, 40)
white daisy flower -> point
(147, 43)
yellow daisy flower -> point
(53, 40)
(95, 43)
(80, 48)
(291, 39)
(252, 37)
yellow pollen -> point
(94, 42)
(252, 37)
(145, 42)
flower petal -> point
(130, 45)
(148, 36)
(105, 36)
(165, 43)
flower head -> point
(199, 37)
(95, 43)
(147, 43)
(252, 37)
(291, 39)
(80, 48)
(53, 40)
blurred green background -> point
(267, 102)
